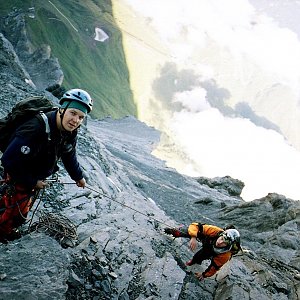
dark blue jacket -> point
(30, 156)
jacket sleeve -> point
(69, 159)
(18, 158)
(216, 263)
(211, 230)
(193, 229)
(203, 230)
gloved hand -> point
(173, 231)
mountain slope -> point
(69, 29)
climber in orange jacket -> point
(218, 245)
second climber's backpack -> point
(20, 113)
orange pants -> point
(14, 207)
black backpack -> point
(22, 112)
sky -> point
(229, 94)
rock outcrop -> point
(41, 67)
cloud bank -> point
(251, 60)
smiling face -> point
(72, 119)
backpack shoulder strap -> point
(47, 126)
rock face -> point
(42, 69)
(119, 250)
(227, 184)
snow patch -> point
(100, 35)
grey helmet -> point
(231, 236)
(79, 96)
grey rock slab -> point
(36, 267)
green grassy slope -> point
(98, 67)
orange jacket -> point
(208, 233)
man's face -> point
(221, 242)
(72, 119)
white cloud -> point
(194, 100)
(232, 24)
(248, 54)
(222, 146)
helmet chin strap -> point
(61, 115)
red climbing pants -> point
(15, 204)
